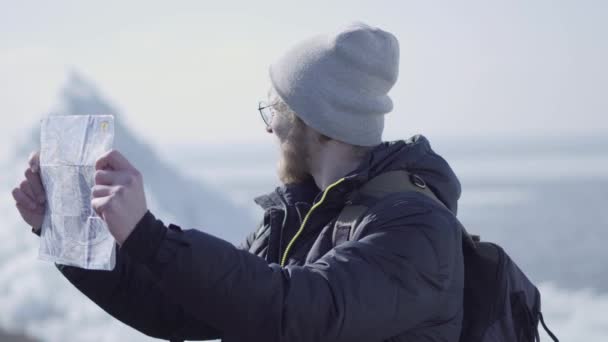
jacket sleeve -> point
(131, 295)
(390, 280)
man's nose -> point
(268, 129)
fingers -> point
(25, 209)
(100, 204)
(30, 194)
(113, 160)
(27, 189)
(105, 177)
(34, 161)
(102, 191)
(110, 177)
(35, 185)
(23, 199)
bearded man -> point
(395, 275)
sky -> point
(193, 71)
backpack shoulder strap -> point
(396, 181)
(346, 223)
(378, 187)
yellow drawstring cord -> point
(306, 219)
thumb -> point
(34, 161)
(113, 160)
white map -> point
(72, 233)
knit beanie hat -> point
(337, 83)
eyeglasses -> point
(266, 111)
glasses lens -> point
(266, 112)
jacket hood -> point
(414, 155)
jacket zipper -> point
(284, 259)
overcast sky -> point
(192, 71)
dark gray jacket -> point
(400, 279)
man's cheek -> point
(281, 128)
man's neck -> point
(332, 162)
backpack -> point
(500, 303)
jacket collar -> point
(414, 155)
(289, 194)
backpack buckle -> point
(418, 181)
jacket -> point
(400, 279)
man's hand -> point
(118, 195)
(30, 196)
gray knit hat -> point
(337, 83)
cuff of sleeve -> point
(145, 239)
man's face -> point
(294, 139)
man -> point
(400, 278)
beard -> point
(294, 162)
